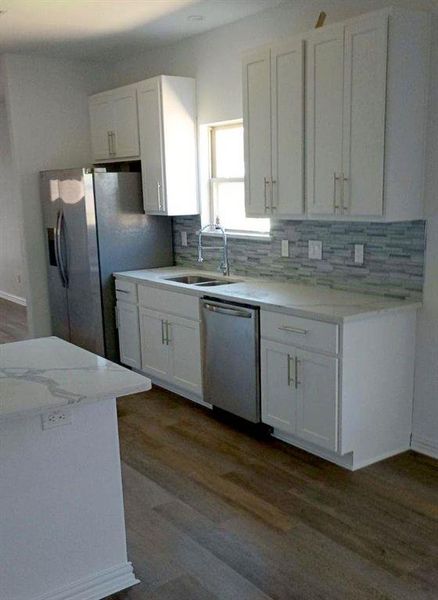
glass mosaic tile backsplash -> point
(393, 260)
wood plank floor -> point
(13, 322)
(213, 513)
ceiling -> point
(112, 29)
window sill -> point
(241, 235)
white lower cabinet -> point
(154, 349)
(300, 393)
(170, 349)
(129, 334)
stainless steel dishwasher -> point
(231, 357)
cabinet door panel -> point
(101, 123)
(129, 334)
(154, 351)
(317, 399)
(278, 391)
(287, 85)
(364, 115)
(126, 123)
(151, 142)
(325, 50)
(185, 353)
(257, 133)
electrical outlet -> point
(285, 248)
(358, 254)
(183, 238)
(56, 418)
(315, 249)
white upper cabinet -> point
(257, 133)
(168, 149)
(273, 102)
(346, 98)
(287, 86)
(364, 103)
(325, 59)
(114, 124)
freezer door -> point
(51, 205)
(79, 257)
(127, 240)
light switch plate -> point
(285, 248)
(183, 238)
(358, 254)
(315, 249)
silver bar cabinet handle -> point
(163, 340)
(297, 382)
(336, 178)
(265, 184)
(293, 330)
(273, 206)
(167, 333)
(159, 196)
(290, 379)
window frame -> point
(213, 180)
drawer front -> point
(126, 291)
(287, 329)
(165, 301)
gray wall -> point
(11, 257)
(47, 104)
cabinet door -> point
(317, 398)
(325, 56)
(287, 88)
(364, 115)
(257, 133)
(126, 142)
(185, 353)
(101, 123)
(129, 334)
(278, 387)
(154, 349)
(151, 143)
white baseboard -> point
(96, 587)
(13, 298)
(425, 446)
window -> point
(227, 188)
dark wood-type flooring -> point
(13, 322)
(213, 513)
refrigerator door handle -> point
(62, 260)
(58, 248)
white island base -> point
(62, 530)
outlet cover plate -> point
(358, 254)
(56, 418)
(285, 248)
(315, 249)
(183, 238)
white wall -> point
(47, 106)
(425, 430)
(10, 230)
(214, 59)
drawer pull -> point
(293, 330)
(123, 291)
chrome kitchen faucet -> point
(224, 265)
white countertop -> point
(315, 302)
(48, 373)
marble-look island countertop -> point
(315, 302)
(48, 373)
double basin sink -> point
(200, 280)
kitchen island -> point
(62, 530)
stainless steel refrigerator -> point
(94, 225)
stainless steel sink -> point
(216, 282)
(200, 280)
(191, 279)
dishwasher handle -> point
(232, 312)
